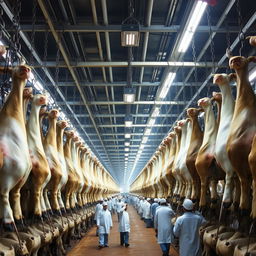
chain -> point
(57, 70)
(195, 68)
(228, 43)
(2, 22)
(241, 33)
(16, 35)
(211, 46)
(45, 53)
(33, 31)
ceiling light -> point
(126, 154)
(130, 35)
(166, 85)
(148, 131)
(144, 140)
(128, 121)
(139, 151)
(191, 26)
(127, 135)
(201, 114)
(151, 122)
(127, 144)
(126, 149)
(126, 158)
(156, 112)
(142, 146)
(129, 94)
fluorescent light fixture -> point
(126, 149)
(130, 35)
(148, 131)
(129, 94)
(128, 121)
(127, 135)
(39, 86)
(142, 146)
(252, 75)
(151, 121)
(139, 151)
(127, 144)
(201, 114)
(144, 140)
(191, 26)
(126, 158)
(166, 85)
(156, 112)
(126, 154)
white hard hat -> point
(105, 203)
(148, 199)
(188, 204)
(156, 200)
(162, 201)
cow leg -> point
(253, 213)
(204, 185)
(245, 193)
(15, 203)
(36, 195)
(46, 200)
(6, 214)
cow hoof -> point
(56, 212)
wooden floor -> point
(142, 241)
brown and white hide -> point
(15, 163)
(243, 129)
(194, 146)
(206, 165)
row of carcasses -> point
(190, 162)
(40, 175)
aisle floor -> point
(142, 241)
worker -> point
(153, 208)
(147, 213)
(98, 208)
(186, 229)
(109, 202)
(119, 206)
(124, 226)
(163, 226)
(104, 224)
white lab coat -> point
(146, 210)
(163, 224)
(124, 222)
(119, 206)
(110, 205)
(187, 229)
(98, 208)
(104, 221)
(141, 206)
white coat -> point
(163, 224)
(119, 206)
(104, 221)
(147, 211)
(98, 208)
(109, 205)
(124, 222)
(187, 229)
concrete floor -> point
(142, 241)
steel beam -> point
(123, 115)
(123, 84)
(114, 64)
(85, 28)
(123, 125)
(125, 103)
(122, 134)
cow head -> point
(194, 112)
(40, 100)
(21, 72)
(53, 114)
(252, 40)
(204, 102)
(240, 62)
(62, 124)
(27, 93)
(223, 79)
(217, 96)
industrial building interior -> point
(122, 74)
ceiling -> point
(87, 75)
